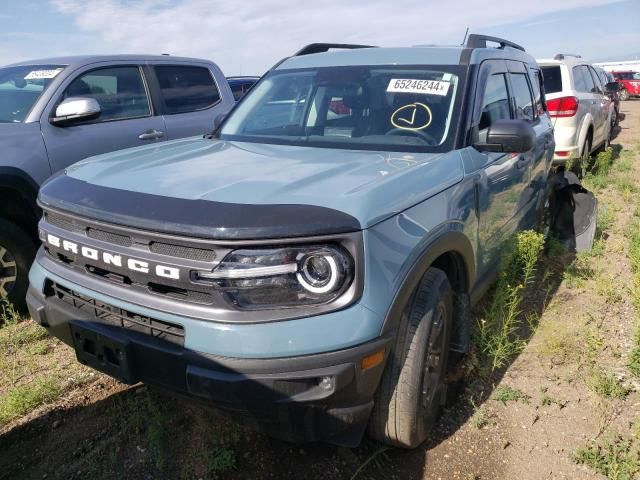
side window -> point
(522, 96)
(536, 83)
(579, 80)
(186, 89)
(591, 85)
(597, 80)
(495, 103)
(120, 92)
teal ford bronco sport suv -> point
(309, 265)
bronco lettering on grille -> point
(109, 258)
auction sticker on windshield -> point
(38, 74)
(412, 85)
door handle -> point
(151, 135)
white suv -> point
(580, 109)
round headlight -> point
(319, 272)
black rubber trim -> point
(450, 241)
(198, 218)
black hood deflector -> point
(197, 218)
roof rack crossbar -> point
(325, 47)
(560, 56)
(480, 41)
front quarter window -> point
(357, 107)
(20, 88)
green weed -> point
(547, 400)
(577, 272)
(221, 460)
(595, 183)
(480, 417)
(8, 313)
(605, 220)
(616, 458)
(504, 394)
(22, 399)
(606, 384)
(496, 333)
(609, 289)
(603, 162)
(634, 257)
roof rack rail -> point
(560, 56)
(325, 47)
(480, 41)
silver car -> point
(578, 104)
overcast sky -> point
(248, 37)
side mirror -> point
(509, 136)
(75, 109)
(612, 87)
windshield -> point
(364, 107)
(20, 88)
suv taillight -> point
(563, 107)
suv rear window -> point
(186, 89)
(552, 79)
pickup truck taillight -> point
(562, 107)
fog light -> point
(326, 383)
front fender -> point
(449, 240)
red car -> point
(629, 82)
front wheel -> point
(624, 95)
(16, 254)
(412, 388)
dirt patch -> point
(525, 421)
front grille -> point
(181, 251)
(164, 248)
(116, 316)
(178, 252)
(62, 222)
(109, 237)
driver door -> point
(501, 178)
(126, 119)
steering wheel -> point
(418, 133)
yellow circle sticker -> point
(414, 116)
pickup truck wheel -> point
(412, 389)
(16, 254)
(624, 95)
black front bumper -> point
(324, 397)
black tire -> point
(580, 169)
(411, 393)
(17, 251)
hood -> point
(363, 185)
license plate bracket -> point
(103, 350)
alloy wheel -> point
(433, 358)
(8, 271)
